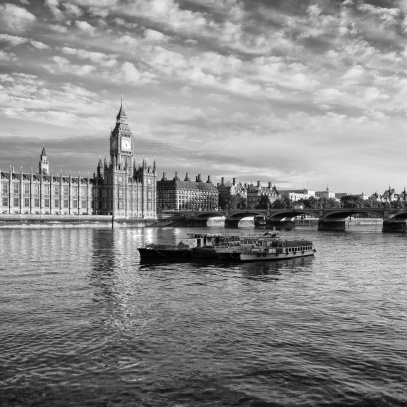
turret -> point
(100, 168)
(43, 164)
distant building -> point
(297, 194)
(339, 195)
(325, 194)
(255, 192)
(390, 195)
(183, 195)
(228, 189)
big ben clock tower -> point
(122, 142)
(123, 189)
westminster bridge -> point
(394, 220)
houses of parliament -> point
(118, 187)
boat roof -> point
(198, 235)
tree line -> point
(348, 201)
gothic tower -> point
(122, 142)
(123, 189)
(43, 164)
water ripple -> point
(83, 323)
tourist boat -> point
(230, 249)
(195, 245)
(246, 247)
(277, 250)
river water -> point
(84, 324)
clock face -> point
(114, 143)
(126, 144)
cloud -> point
(7, 56)
(155, 36)
(14, 41)
(388, 16)
(53, 5)
(64, 65)
(129, 74)
(72, 10)
(15, 19)
(121, 22)
(86, 27)
(99, 58)
(58, 28)
(127, 40)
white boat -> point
(231, 250)
(278, 250)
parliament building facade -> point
(119, 187)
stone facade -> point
(255, 192)
(297, 194)
(184, 195)
(29, 193)
(118, 188)
(325, 194)
(228, 189)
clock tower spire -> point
(43, 164)
(122, 141)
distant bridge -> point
(394, 220)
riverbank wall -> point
(70, 221)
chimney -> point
(209, 180)
(198, 178)
(186, 177)
(258, 184)
(234, 181)
(164, 178)
(270, 185)
(222, 181)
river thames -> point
(84, 324)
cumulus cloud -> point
(7, 56)
(64, 65)
(53, 5)
(15, 19)
(86, 27)
(58, 28)
(72, 10)
(14, 40)
(129, 74)
(96, 57)
(154, 36)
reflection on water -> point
(83, 323)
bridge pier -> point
(200, 223)
(232, 223)
(394, 226)
(337, 225)
(280, 224)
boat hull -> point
(162, 254)
(203, 253)
(246, 257)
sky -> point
(305, 94)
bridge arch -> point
(207, 215)
(344, 213)
(244, 214)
